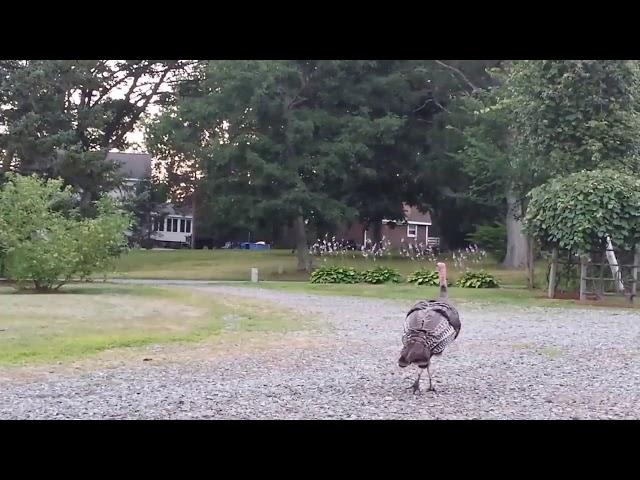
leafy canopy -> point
(578, 211)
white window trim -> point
(415, 226)
(397, 222)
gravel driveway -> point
(508, 363)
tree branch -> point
(438, 104)
(462, 75)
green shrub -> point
(479, 279)
(334, 274)
(424, 277)
(576, 212)
(46, 243)
(492, 238)
(380, 275)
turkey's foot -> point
(416, 387)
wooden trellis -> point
(596, 275)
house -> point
(134, 168)
(172, 226)
(413, 228)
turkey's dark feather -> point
(435, 323)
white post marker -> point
(254, 275)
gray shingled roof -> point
(132, 165)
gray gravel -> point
(508, 363)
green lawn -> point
(236, 265)
(84, 320)
(410, 293)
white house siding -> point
(168, 235)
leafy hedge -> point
(349, 275)
(424, 277)
(479, 279)
(334, 274)
(380, 275)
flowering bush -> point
(373, 251)
(417, 251)
(462, 258)
(332, 248)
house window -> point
(188, 226)
(172, 225)
(182, 225)
(412, 231)
(158, 224)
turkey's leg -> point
(416, 384)
(431, 389)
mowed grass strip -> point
(409, 293)
(236, 265)
(84, 320)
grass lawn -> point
(410, 293)
(236, 265)
(88, 319)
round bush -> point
(334, 274)
(380, 275)
(479, 279)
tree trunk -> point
(516, 256)
(531, 281)
(377, 231)
(6, 161)
(85, 202)
(553, 274)
(302, 249)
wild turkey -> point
(430, 326)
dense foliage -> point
(492, 238)
(380, 274)
(577, 212)
(424, 277)
(47, 243)
(477, 279)
(334, 274)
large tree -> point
(411, 163)
(551, 117)
(302, 142)
(311, 143)
(59, 118)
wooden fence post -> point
(583, 276)
(553, 273)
